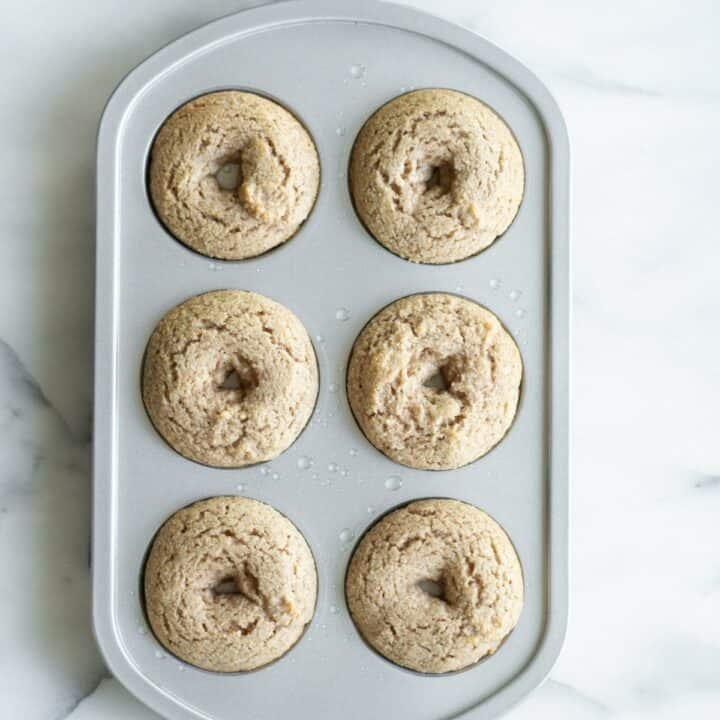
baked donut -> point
(274, 156)
(434, 381)
(435, 586)
(436, 176)
(230, 584)
(230, 378)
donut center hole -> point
(433, 588)
(438, 179)
(229, 176)
(238, 377)
(437, 381)
(231, 382)
(226, 586)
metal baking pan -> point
(332, 64)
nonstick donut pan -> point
(332, 64)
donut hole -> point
(229, 176)
(433, 588)
(437, 179)
(238, 377)
(236, 584)
(437, 381)
(227, 585)
(451, 371)
(439, 374)
(232, 381)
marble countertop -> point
(640, 88)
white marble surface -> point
(640, 88)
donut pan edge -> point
(332, 65)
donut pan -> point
(332, 64)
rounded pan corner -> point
(530, 677)
(110, 646)
(127, 673)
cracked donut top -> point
(434, 381)
(436, 176)
(230, 584)
(230, 378)
(267, 153)
(435, 586)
